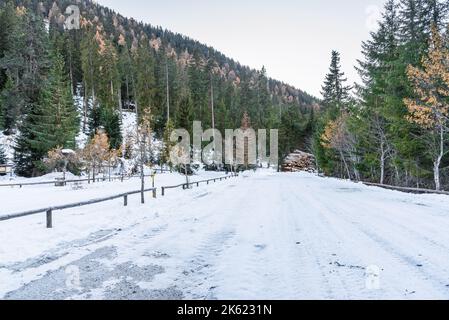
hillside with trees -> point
(111, 64)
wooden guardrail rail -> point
(49, 210)
(22, 184)
(197, 183)
(101, 179)
(406, 189)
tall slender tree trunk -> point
(94, 99)
(142, 173)
(127, 90)
(437, 163)
(398, 176)
(212, 110)
(85, 107)
(120, 104)
(382, 162)
(168, 91)
(71, 79)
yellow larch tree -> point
(97, 151)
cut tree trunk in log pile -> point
(299, 161)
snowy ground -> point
(259, 236)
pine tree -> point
(411, 18)
(415, 18)
(23, 63)
(334, 90)
(263, 97)
(36, 56)
(435, 13)
(8, 23)
(144, 77)
(222, 115)
(198, 87)
(52, 123)
(248, 100)
(27, 65)
(10, 98)
(55, 121)
(184, 114)
(231, 102)
(380, 89)
(67, 43)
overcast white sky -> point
(292, 38)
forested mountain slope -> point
(114, 63)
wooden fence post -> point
(125, 200)
(163, 191)
(49, 219)
(154, 193)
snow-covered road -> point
(260, 236)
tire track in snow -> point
(322, 245)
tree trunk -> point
(127, 90)
(72, 80)
(382, 163)
(396, 170)
(142, 174)
(187, 176)
(85, 107)
(120, 104)
(168, 92)
(437, 163)
(345, 164)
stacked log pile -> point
(299, 161)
